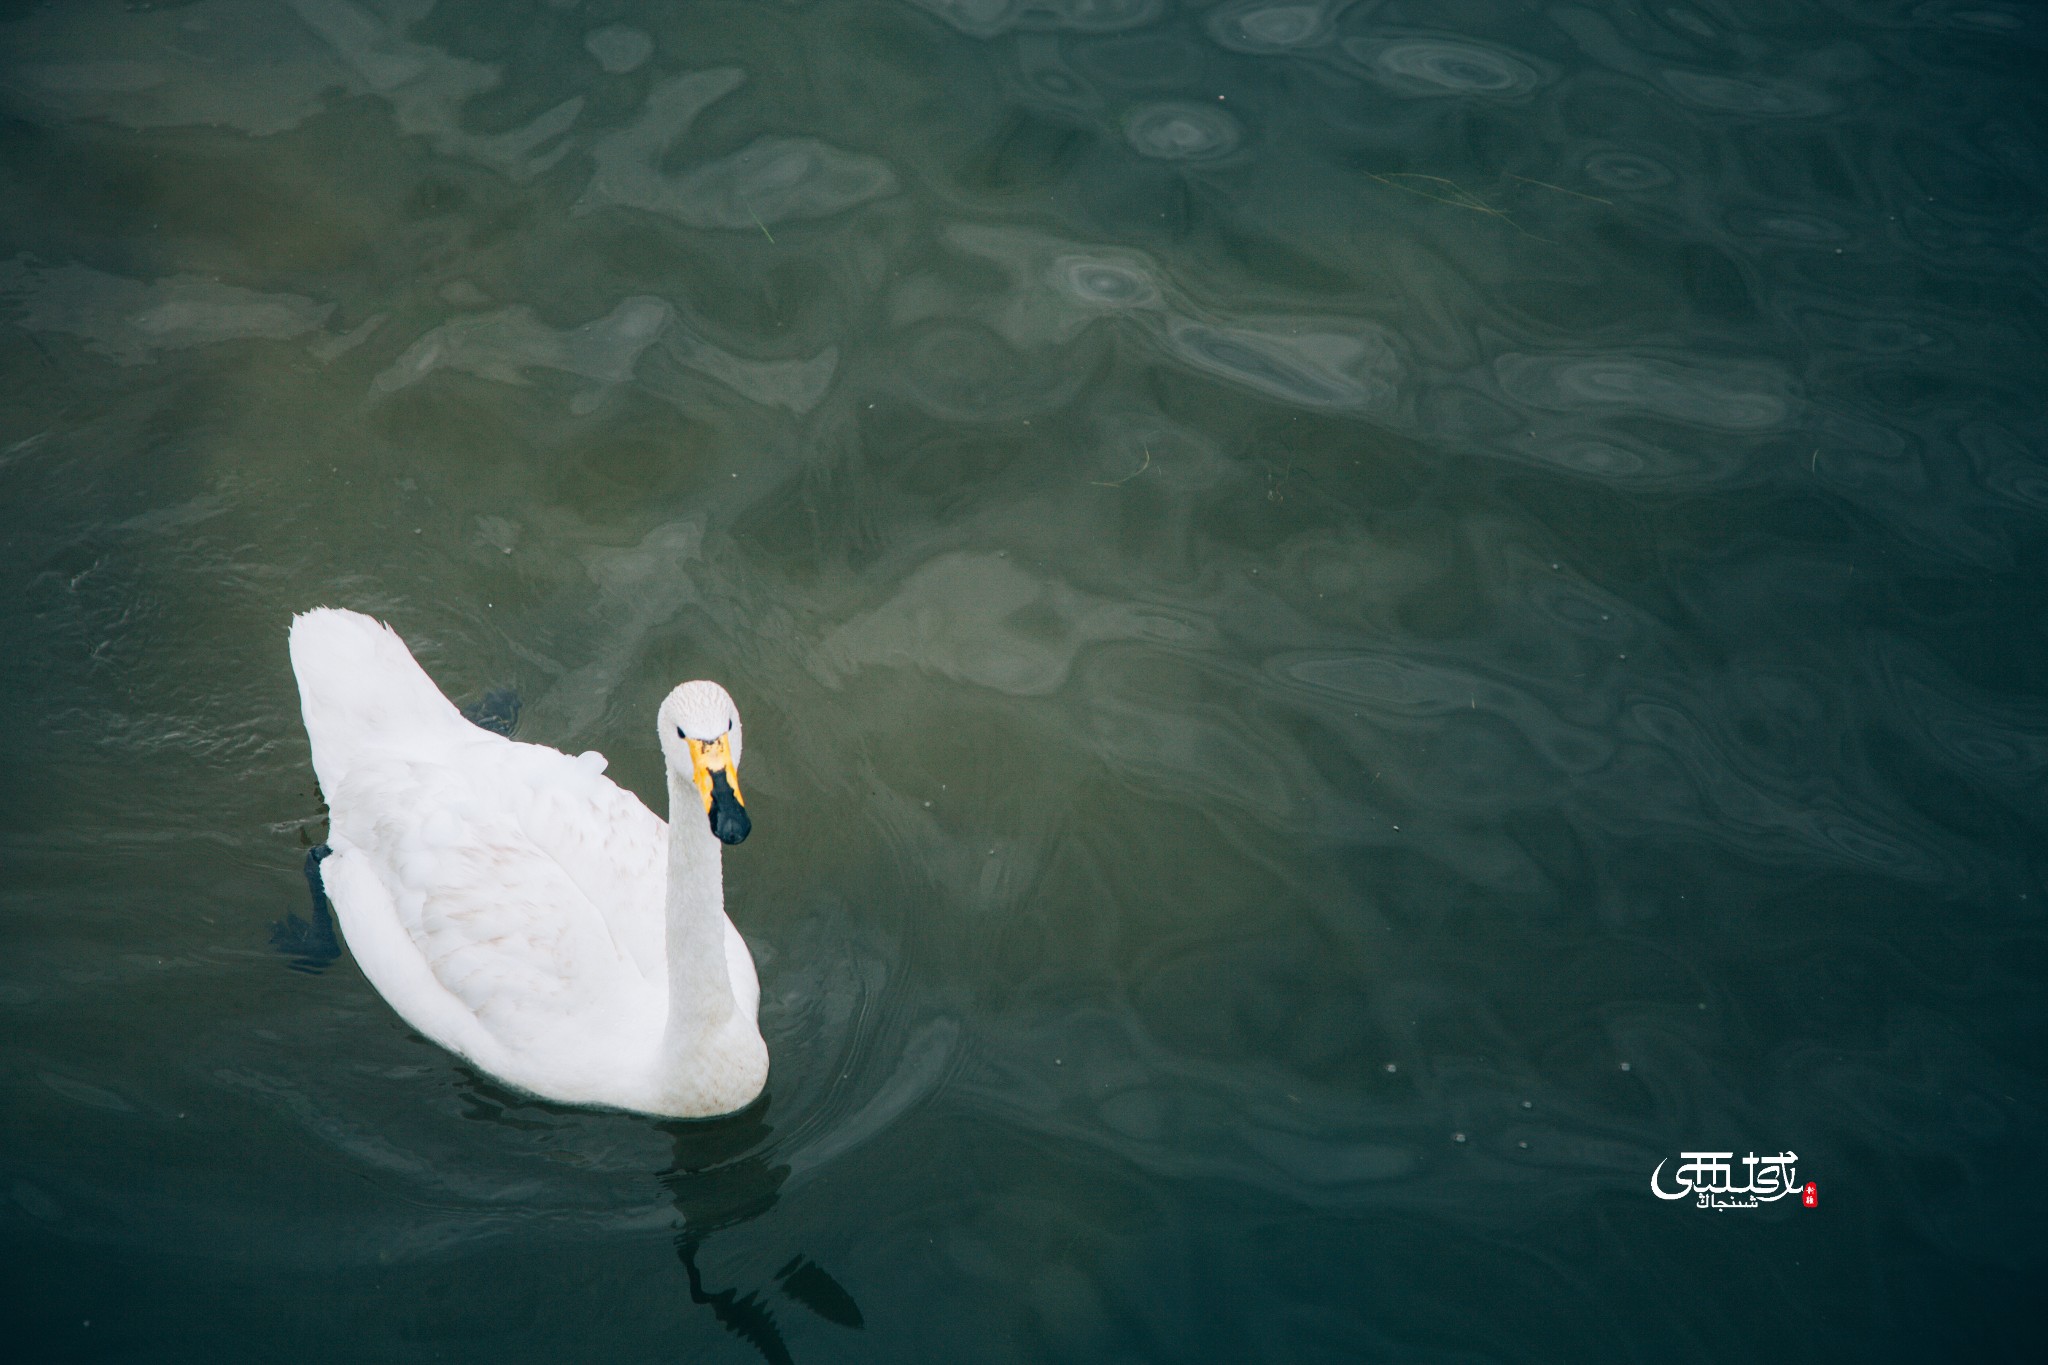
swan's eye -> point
(680, 734)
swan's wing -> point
(393, 963)
(611, 846)
(499, 923)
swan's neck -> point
(699, 980)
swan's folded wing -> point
(499, 922)
(392, 961)
(609, 844)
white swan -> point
(516, 906)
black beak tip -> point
(731, 824)
(728, 817)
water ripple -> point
(130, 321)
(989, 18)
(618, 48)
(1628, 171)
(1442, 66)
(771, 180)
(1740, 95)
(1317, 364)
(1183, 131)
(1264, 26)
(1724, 395)
(1105, 282)
(1045, 79)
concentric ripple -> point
(1262, 26)
(1628, 171)
(1104, 283)
(1439, 66)
(1183, 132)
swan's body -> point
(515, 905)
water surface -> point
(1356, 623)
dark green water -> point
(1356, 623)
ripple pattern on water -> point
(1057, 287)
(502, 345)
(795, 385)
(1997, 739)
(628, 160)
(772, 180)
(1297, 720)
(990, 18)
(1444, 67)
(1731, 397)
(253, 66)
(1262, 26)
(1105, 282)
(1044, 78)
(775, 180)
(130, 321)
(619, 48)
(1742, 95)
(1786, 226)
(981, 619)
(1628, 171)
(1567, 441)
(1158, 60)
(1307, 361)
(1183, 131)
(960, 372)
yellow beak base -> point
(708, 757)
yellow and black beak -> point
(718, 783)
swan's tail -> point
(361, 692)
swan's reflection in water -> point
(722, 1173)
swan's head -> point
(700, 737)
